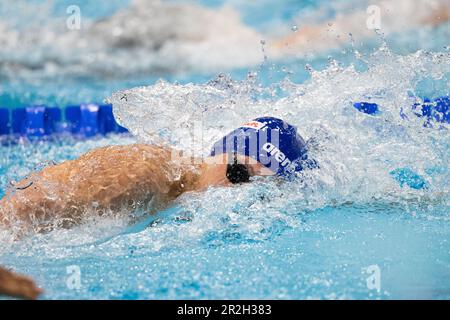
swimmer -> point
(394, 16)
(169, 37)
(215, 48)
(146, 177)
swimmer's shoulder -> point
(110, 157)
(131, 150)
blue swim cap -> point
(272, 142)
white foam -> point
(355, 151)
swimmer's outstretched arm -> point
(108, 179)
(17, 286)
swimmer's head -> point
(271, 144)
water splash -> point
(355, 151)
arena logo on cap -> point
(279, 156)
(254, 125)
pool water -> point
(346, 231)
(325, 256)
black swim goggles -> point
(236, 172)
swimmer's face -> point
(215, 173)
(254, 167)
(222, 170)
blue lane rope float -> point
(52, 118)
(366, 107)
(4, 122)
(88, 120)
(437, 110)
(85, 120)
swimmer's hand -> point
(17, 286)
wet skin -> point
(112, 179)
(17, 286)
